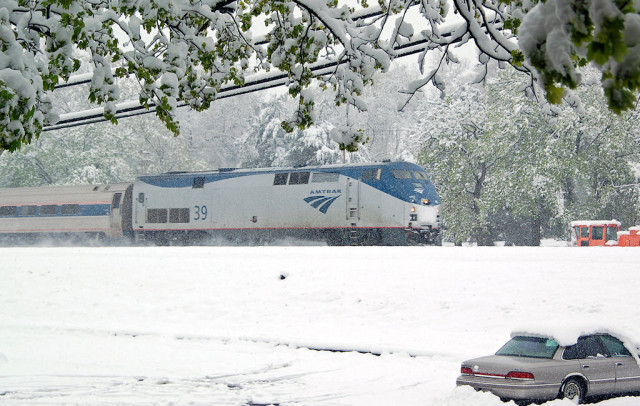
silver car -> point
(538, 369)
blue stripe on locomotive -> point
(403, 189)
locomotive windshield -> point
(408, 182)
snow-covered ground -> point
(250, 325)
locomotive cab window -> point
(421, 175)
(325, 177)
(280, 178)
(299, 178)
(398, 174)
(372, 174)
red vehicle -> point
(591, 233)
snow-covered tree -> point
(559, 36)
(213, 135)
(97, 153)
(267, 144)
(508, 171)
(480, 157)
(595, 153)
(186, 51)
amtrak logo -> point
(321, 202)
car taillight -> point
(466, 371)
(520, 375)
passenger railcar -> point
(99, 211)
(391, 203)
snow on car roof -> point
(567, 335)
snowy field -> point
(253, 325)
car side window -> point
(591, 347)
(571, 352)
(615, 346)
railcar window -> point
(421, 175)
(7, 211)
(372, 174)
(198, 182)
(179, 215)
(597, 232)
(156, 215)
(398, 174)
(115, 204)
(612, 233)
(299, 178)
(48, 210)
(27, 210)
(69, 209)
(324, 177)
(280, 178)
(584, 232)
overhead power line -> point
(253, 84)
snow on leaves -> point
(184, 51)
(558, 36)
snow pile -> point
(318, 326)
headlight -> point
(413, 210)
(425, 201)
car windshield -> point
(533, 347)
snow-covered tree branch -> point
(184, 51)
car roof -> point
(568, 335)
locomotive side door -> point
(353, 200)
(139, 201)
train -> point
(384, 203)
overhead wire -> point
(261, 83)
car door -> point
(596, 365)
(626, 367)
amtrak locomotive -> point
(389, 203)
